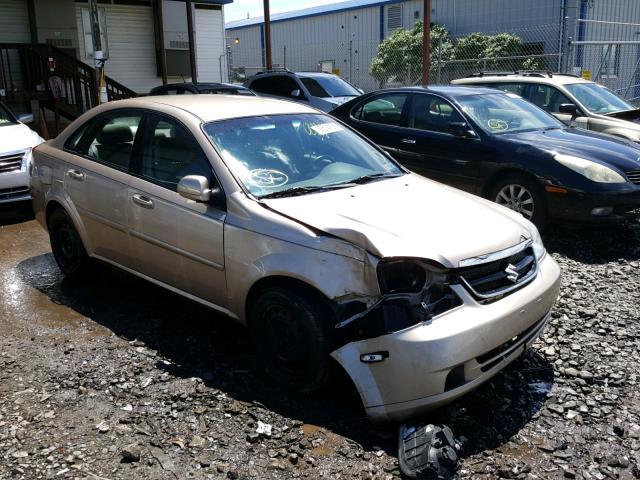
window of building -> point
(394, 17)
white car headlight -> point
(538, 248)
(592, 170)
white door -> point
(210, 45)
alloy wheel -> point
(517, 198)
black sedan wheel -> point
(523, 195)
(66, 244)
(290, 335)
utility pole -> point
(267, 36)
(426, 34)
(192, 42)
(98, 55)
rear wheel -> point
(523, 195)
(291, 337)
(66, 244)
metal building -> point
(344, 37)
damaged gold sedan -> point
(290, 222)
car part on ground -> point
(320, 90)
(428, 452)
(572, 99)
(16, 143)
(484, 141)
(284, 219)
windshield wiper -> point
(295, 191)
(371, 177)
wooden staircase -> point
(25, 72)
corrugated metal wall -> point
(14, 22)
(210, 45)
(351, 38)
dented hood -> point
(409, 216)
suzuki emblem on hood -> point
(512, 273)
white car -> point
(16, 142)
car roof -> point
(201, 86)
(210, 108)
(452, 91)
(551, 79)
(288, 72)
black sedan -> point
(201, 88)
(504, 148)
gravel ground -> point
(113, 378)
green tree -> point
(400, 55)
(494, 52)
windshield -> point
(280, 155)
(498, 113)
(329, 86)
(6, 118)
(598, 99)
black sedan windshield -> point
(506, 113)
(280, 155)
(329, 87)
(598, 99)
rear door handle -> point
(409, 141)
(76, 175)
(142, 200)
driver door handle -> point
(409, 141)
(141, 200)
(76, 175)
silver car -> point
(573, 100)
(286, 220)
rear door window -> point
(384, 109)
(517, 88)
(109, 139)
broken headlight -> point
(402, 276)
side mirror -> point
(360, 90)
(461, 130)
(296, 93)
(26, 118)
(194, 187)
(568, 109)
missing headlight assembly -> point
(412, 291)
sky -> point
(239, 8)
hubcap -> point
(284, 339)
(517, 198)
(67, 245)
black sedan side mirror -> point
(461, 130)
(568, 109)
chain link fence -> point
(596, 39)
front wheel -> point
(66, 244)
(291, 337)
(523, 195)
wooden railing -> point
(26, 71)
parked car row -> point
(500, 147)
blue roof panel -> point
(310, 12)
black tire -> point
(291, 335)
(66, 244)
(507, 190)
(428, 452)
